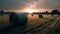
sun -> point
(30, 10)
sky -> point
(33, 4)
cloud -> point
(50, 4)
(20, 4)
(12, 4)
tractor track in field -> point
(51, 28)
(41, 27)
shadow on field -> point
(17, 24)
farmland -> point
(4, 20)
(35, 25)
(46, 25)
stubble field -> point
(35, 25)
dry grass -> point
(4, 20)
(36, 25)
(33, 22)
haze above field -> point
(34, 5)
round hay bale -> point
(17, 19)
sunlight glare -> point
(30, 10)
